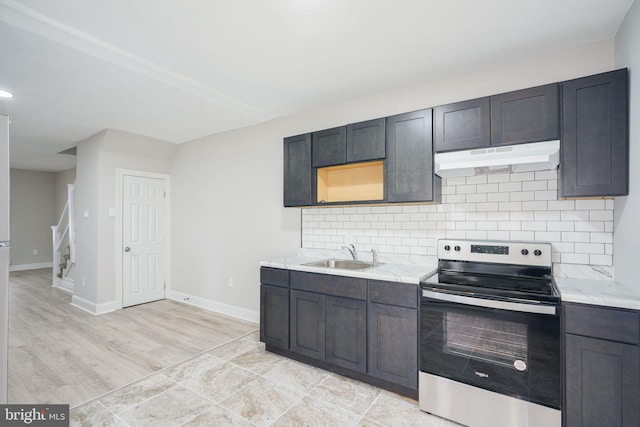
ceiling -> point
(179, 70)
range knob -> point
(525, 252)
(457, 248)
(447, 247)
(537, 252)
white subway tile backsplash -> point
(503, 177)
(604, 215)
(478, 179)
(594, 226)
(534, 185)
(560, 226)
(540, 205)
(574, 258)
(520, 196)
(590, 204)
(522, 176)
(510, 187)
(575, 237)
(601, 259)
(549, 174)
(517, 206)
(498, 197)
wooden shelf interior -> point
(353, 182)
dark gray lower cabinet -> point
(393, 348)
(603, 383)
(346, 333)
(366, 329)
(602, 366)
(308, 324)
(274, 316)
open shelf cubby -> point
(351, 183)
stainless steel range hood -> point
(511, 158)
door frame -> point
(120, 174)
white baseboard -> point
(22, 267)
(218, 307)
(93, 308)
(65, 285)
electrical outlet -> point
(35, 252)
(230, 282)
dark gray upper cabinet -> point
(409, 162)
(527, 115)
(462, 125)
(365, 141)
(594, 154)
(330, 147)
(297, 170)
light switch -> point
(112, 212)
(86, 213)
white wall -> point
(87, 188)
(33, 212)
(98, 159)
(627, 225)
(227, 212)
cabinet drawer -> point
(274, 276)
(348, 287)
(393, 293)
(601, 322)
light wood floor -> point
(61, 354)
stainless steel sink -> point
(341, 264)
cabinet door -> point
(346, 333)
(462, 125)
(274, 316)
(393, 344)
(366, 141)
(307, 324)
(595, 142)
(602, 383)
(297, 170)
(409, 162)
(527, 115)
(330, 147)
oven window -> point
(495, 341)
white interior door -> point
(143, 240)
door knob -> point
(127, 249)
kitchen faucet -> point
(352, 251)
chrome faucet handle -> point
(352, 250)
(374, 255)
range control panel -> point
(522, 253)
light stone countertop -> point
(595, 285)
(389, 269)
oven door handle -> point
(489, 303)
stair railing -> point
(64, 232)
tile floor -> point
(240, 384)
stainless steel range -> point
(490, 335)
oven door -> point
(479, 342)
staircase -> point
(64, 245)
